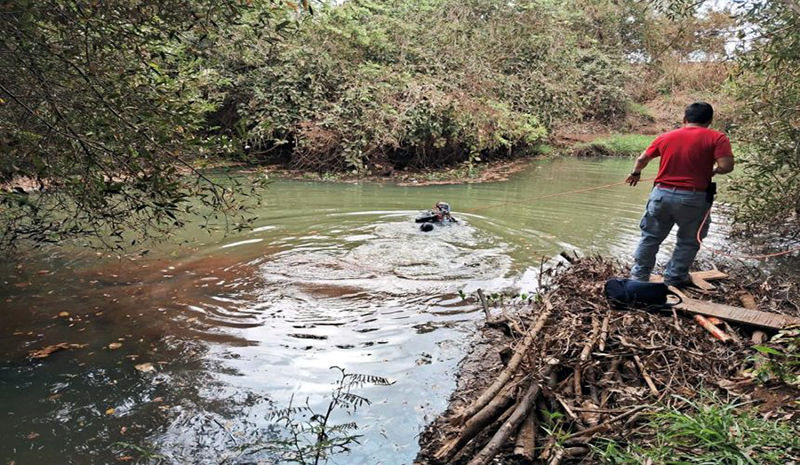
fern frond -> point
(343, 427)
(358, 380)
(287, 412)
(353, 401)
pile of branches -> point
(578, 369)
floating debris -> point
(47, 351)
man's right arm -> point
(723, 165)
(636, 174)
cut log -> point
(589, 345)
(526, 438)
(709, 326)
(557, 457)
(646, 377)
(519, 354)
(601, 345)
(735, 314)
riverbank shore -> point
(588, 383)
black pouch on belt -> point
(711, 192)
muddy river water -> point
(235, 327)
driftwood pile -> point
(575, 368)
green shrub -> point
(427, 83)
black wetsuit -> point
(429, 217)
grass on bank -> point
(621, 144)
(639, 110)
(711, 431)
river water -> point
(333, 274)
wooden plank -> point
(736, 314)
(708, 275)
(701, 283)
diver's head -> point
(442, 208)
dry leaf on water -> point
(115, 345)
(45, 352)
(63, 314)
(145, 367)
(110, 411)
(33, 436)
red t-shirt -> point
(688, 155)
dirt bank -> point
(498, 170)
(593, 372)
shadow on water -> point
(75, 404)
(334, 274)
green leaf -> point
(767, 350)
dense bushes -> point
(428, 82)
(769, 90)
(101, 104)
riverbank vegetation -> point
(107, 106)
(615, 145)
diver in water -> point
(440, 214)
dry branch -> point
(519, 354)
(641, 354)
(646, 377)
(501, 436)
(526, 438)
(607, 423)
(484, 305)
(601, 344)
(476, 423)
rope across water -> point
(741, 257)
(549, 196)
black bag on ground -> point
(627, 293)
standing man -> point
(683, 191)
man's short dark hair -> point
(699, 113)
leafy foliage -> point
(780, 360)
(369, 85)
(769, 87)
(101, 103)
(312, 436)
